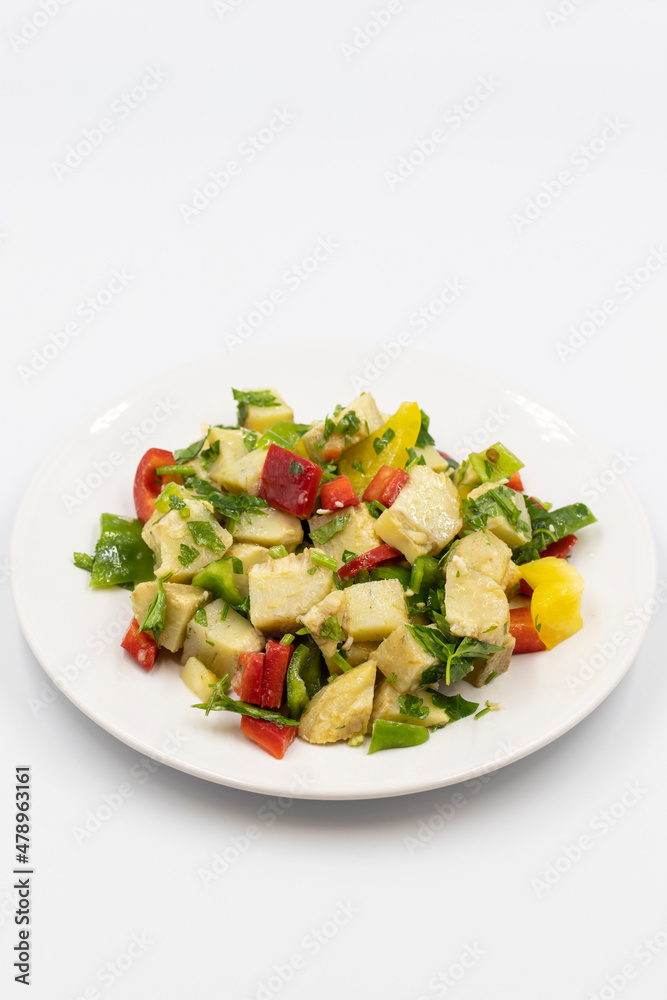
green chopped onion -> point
(278, 551)
(339, 661)
(175, 470)
(320, 559)
(287, 639)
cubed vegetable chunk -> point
(476, 605)
(327, 441)
(416, 709)
(496, 664)
(485, 552)
(425, 516)
(261, 418)
(166, 533)
(269, 527)
(374, 610)
(512, 534)
(401, 655)
(198, 678)
(182, 602)
(219, 643)
(242, 475)
(249, 555)
(341, 709)
(232, 448)
(283, 590)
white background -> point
(478, 883)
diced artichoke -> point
(400, 654)
(511, 578)
(510, 534)
(374, 610)
(261, 418)
(218, 643)
(249, 555)
(232, 450)
(357, 536)
(369, 418)
(476, 605)
(497, 663)
(342, 708)
(182, 602)
(165, 533)
(198, 678)
(269, 527)
(282, 590)
(425, 516)
(485, 552)
(386, 706)
(242, 475)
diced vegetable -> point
(297, 693)
(496, 508)
(282, 590)
(121, 555)
(476, 605)
(326, 441)
(556, 602)
(147, 485)
(249, 554)
(493, 665)
(338, 493)
(269, 527)
(484, 552)
(218, 577)
(403, 659)
(198, 678)
(387, 445)
(373, 610)
(252, 674)
(392, 735)
(560, 549)
(495, 464)
(181, 603)
(276, 662)
(515, 483)
(185, 526)
(425, 574)
(260, 409)
(140, 645)
(342, 708)
(425, 516)
(270, 737)
(380, 554)
(353, 532)
(416, 709)
(219, 641)
(386, 485)
(289, 481)
(522, 629)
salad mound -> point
(326, 580)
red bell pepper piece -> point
(275, 668)
(252, 670)
(380, 554)
(386, 485)
(141, 645)
(338, 493)
(525, 588)
(560, 549)
(514, 482)
(522, 627)
(290, 482)
(269, 736)
(148, 486)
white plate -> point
(75, 633)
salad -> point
(333, 580)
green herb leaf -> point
(187, 454)
(200, 617)
(278, 551)
(330, 529)
(209, 455)
(380, 443)
(409, 704)
(188, 554)
(220, 702)
(295, 468)
(424, 438)
(155, 616)
(252, 397)
(348, 556)
(414, 459)
(455, 655)
(375, 508)
(203, 534)
(454, 705)
(331, 629)
(392, 678)
(359, 467)
(232, 507)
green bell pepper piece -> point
(297, 695)
(425, 574)
(218, 577)
(284, 433)
(388, 735)
(494, 464)
(121, 555)
(401, 573)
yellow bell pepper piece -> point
(556, 602)
(405, 424)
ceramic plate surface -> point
(75, 635)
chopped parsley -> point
(414, 459)
(295, 468)
(358, 466)
(392, 678)
(200, 617)
(380, 443)
(491, 706)
(455, 655)
(155, 616)
(203, 534)
(209, 455)
(348, 556)
(330, 529)
(232, 507)
(188, 554)
(332, 629)
(409, 704)
(375, 508)
(454, 705)
(252, 397)
(424, 438)
(186, 454)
